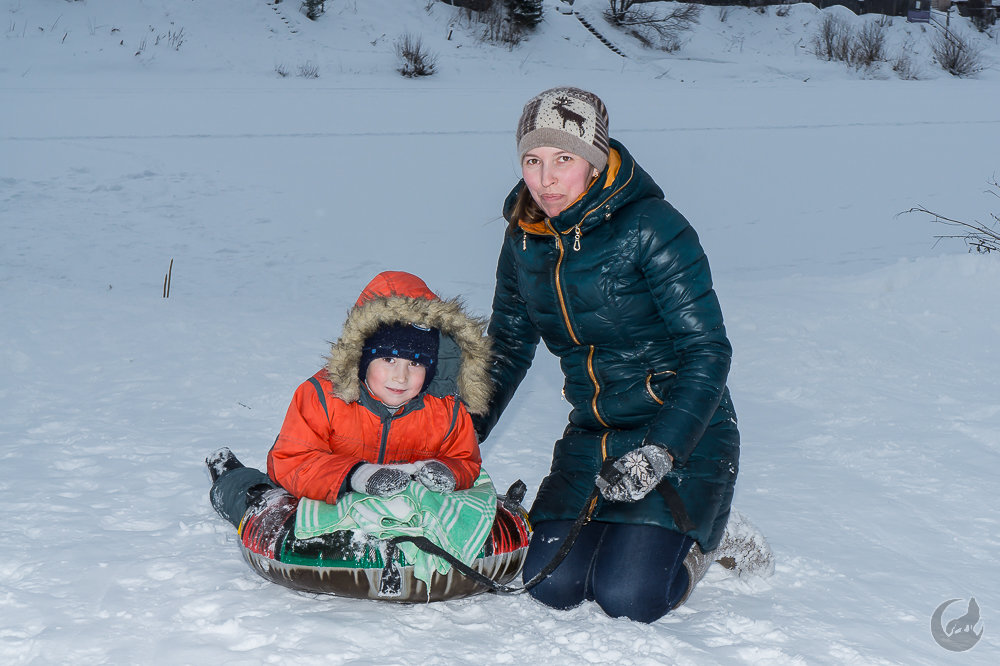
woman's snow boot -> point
(696, 563)
(743, 549)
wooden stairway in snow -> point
(604, 40)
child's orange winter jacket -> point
(334, 423)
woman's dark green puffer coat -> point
(618, 287)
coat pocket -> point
(655, 384)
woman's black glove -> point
(635, 474)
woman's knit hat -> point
(409, 341)
(567, 118)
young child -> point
(391, 407)
(373, 418)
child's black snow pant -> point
(234, 492)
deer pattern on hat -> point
(568, 118)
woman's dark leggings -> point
(633, 571)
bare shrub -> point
(868, 45)
(499, 26)
(837, 40)
(956, 54)
(414, 60)
(833, 39)
(618, 8)
(904, 66)
(980, 237)
(175, 39)
(308, 70)
(500, 22)
(653, 28)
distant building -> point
(887, 7)
(475, 5)
(982, 12)
(919, 11)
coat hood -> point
(397, 297)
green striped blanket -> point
(458, 522)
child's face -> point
(395, 381)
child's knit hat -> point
(567, 118)
(409, 341)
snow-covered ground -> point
(136, 134)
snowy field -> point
(133, 134)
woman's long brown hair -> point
(525, 209)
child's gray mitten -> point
(381, 479)
(435, 475)
(635, 474)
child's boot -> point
(221, 461)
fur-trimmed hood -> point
(391, 297)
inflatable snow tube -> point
(347, 564)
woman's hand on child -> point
(635, 474)
(381, 480)
(435, 475)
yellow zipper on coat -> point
(559, 292)
(597, 386)
(569, 326)
(562, 299)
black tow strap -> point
(428, 546)
(676, 505)
(391, 580)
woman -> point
(613, 279)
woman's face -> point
(555, 178)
